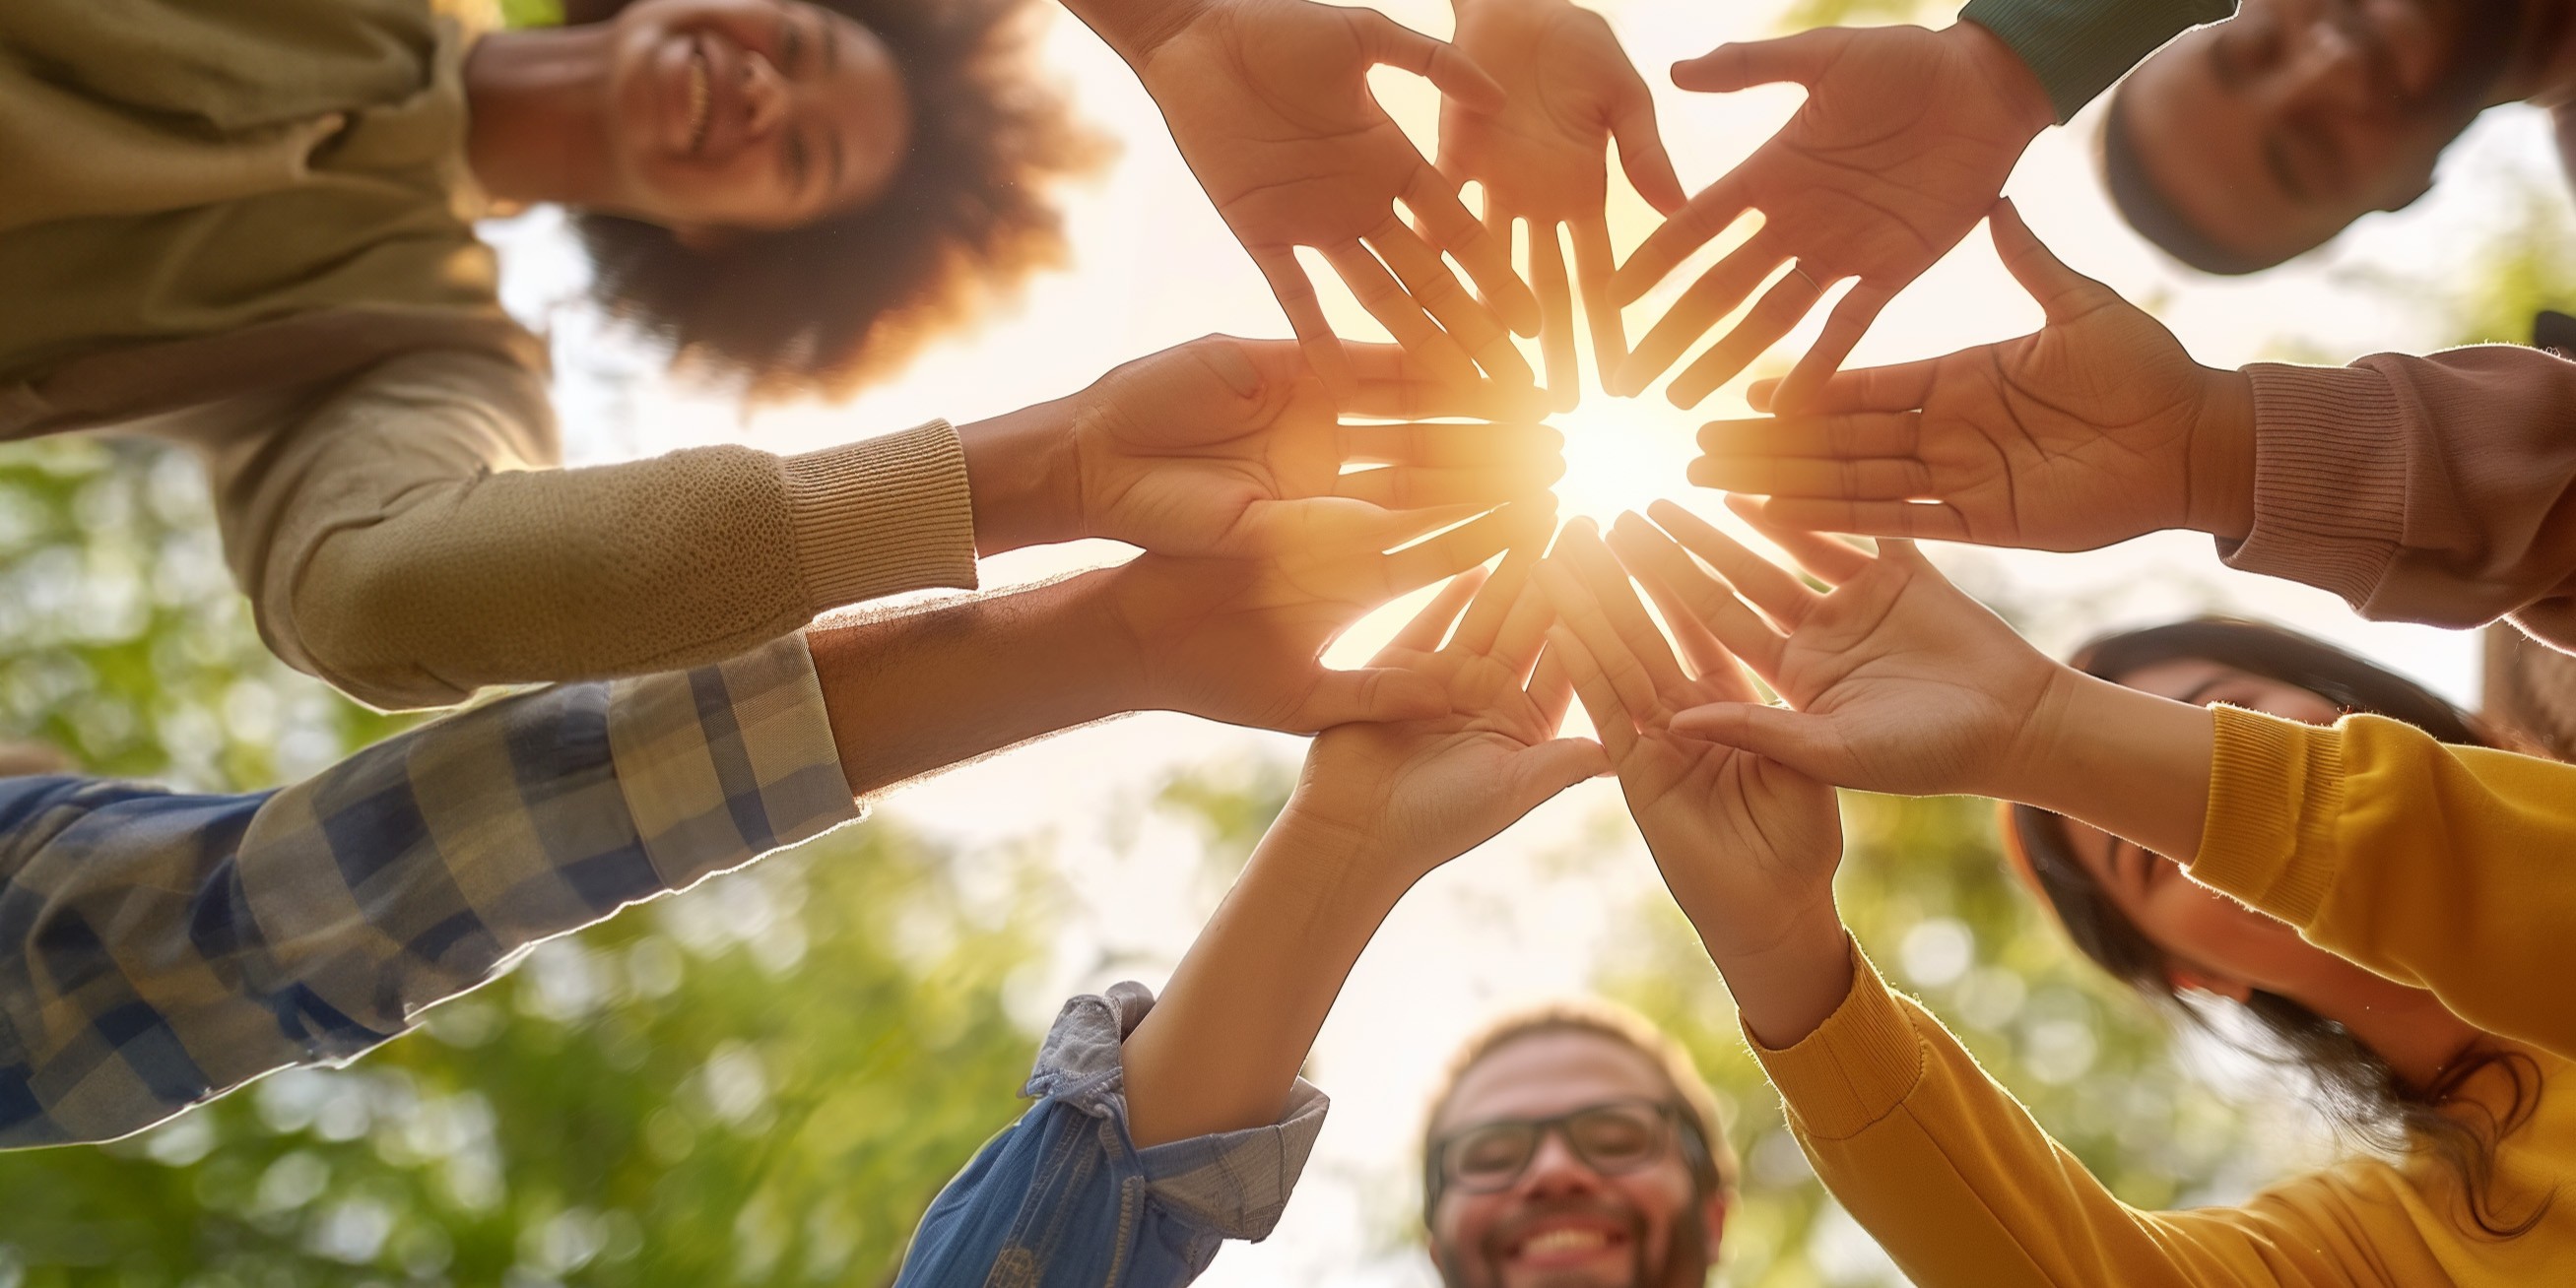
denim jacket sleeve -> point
(1063, 1197)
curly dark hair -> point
(2355, 1088)
(964, 219)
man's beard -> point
(1684, 1262)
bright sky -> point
(1529, 916)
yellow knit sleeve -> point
(1963, 1188)
(2451, 868)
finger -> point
(1396, 310)
(1487, 258)
(1801, 58)
(1551, 689)
(1846, 437)
(1516, 645)
(1833, 562)
(1873, 479)
(1768, 586)
(1608, 582)
(1551, 767)
(1930, 522)
(1702, 217)
(1437, 290)
(1593, 266)
(1556, 315)
(1437, 446)
(1577, 610)
(1501, 597)
(1296, 295)
(1703, 306)
(1844, 327)
(1467, 545)
(1399, 487)
(1611, 719)
(1902, 387)
(1641, 152)
(1403, 386)
(1701, 598)
(2062, 292)
(1428, 627)
(1383, 40)
(1792, 738)
(1656, 563)
(1769, 319)
(1369, 694)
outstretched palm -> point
(2089, 431)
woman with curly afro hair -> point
(248, 227)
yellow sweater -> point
(2439, 866)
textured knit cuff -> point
(2079, 47)
(2275, 790)
(882, 516)
(1856, 1068)
(2329, 478)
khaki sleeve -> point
(407, 538)
(2444, 867)
(1965, 1190)
(2437, 489)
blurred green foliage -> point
(761, 1081)
(1802, 14)
(1923, 890)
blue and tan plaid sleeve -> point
(158, 949)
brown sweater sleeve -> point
(2438, 489)
(405, 539)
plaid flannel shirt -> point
(160, 949)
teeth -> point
(1562, 1241)
(700, 100)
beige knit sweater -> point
(247, 227)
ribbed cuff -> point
(882, 516)
(2079, 47)
(2329, 479)
(1856, 1068)
(2275, 791)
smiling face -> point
(751, 114)
(2268, 133)
(2212, 942)
(1562, 1224)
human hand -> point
(1567, 90)
(1896, 681)
(1747, 845)
(1240, 640)
(1418, 793)
(2094, 429)
(1269, 103)
(1232, 448)
(1904, 140)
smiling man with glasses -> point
(1574, 1146)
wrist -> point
(1020, 478)
(2017, 87)
(2127, 762)
(1342, 857)
(1135, 29)
(1784, 991)
(2221, 500)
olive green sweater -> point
(246, 225)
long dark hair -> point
(965, 218)
(2359, 1093)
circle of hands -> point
(1282, 490)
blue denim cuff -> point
(1232, 1184)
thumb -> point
(1551, 767)
(1801, 58)
(1384, 40)
(1641, 154)
(1376, 693)
(2062, 292)
(1793, 738)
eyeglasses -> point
(1611, 1138)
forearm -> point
(1022, 474)
(912, 694)
(1221, 1050)
(2130, 763)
